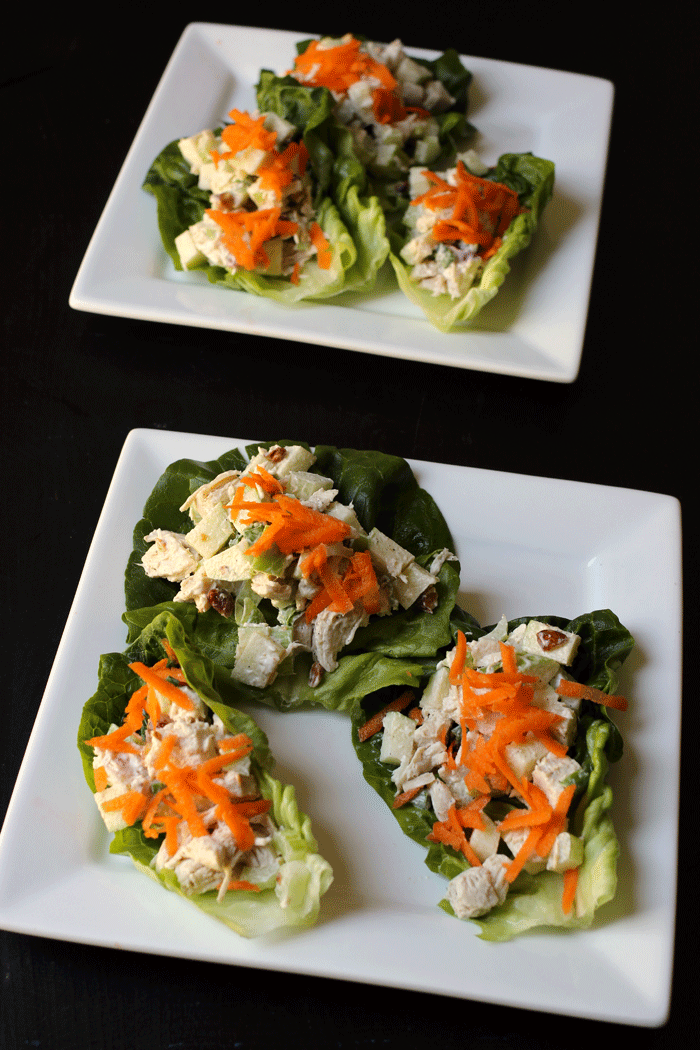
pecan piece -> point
(276, 454)
(550, 639)
(428, 600)
(315, 675)
(222, 601)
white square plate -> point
(534, 327)
(596, 547)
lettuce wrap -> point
(452, 268)
(376, 492)
(250, 205)
(271, 885)
(399, 110)
(535, 896)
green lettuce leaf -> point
(304, 876)
(389, 651)
(535, 900)
(533, 180)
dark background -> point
(74, 92)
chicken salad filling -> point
(181, 781)
(387, 99)
(488, 757)
(261, 215)
(272, 548)
(457, 220)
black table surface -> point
(74, 384)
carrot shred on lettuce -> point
(374, 724)
(588, 692)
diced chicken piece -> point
(439, 560)
(435, 723)
(460, 276)
(219, 490)
(437, 98)
(418, 249)
(182, 712)
(271, 587)
(424, 759)
(441, 798)
(124, 771)
(549, 773)
(476, 891)
(332, 632)
(321, 499)
(170, 557)
(196, 741)
(195, 589)
(454, 778)
(418, 782)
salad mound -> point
(183, 783)
(400, 110)
(306, 576)
(243, 203)
(499, 770)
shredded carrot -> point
(374, 724)
(246, 131)
(451, 833)
(185, 791)
(570, 886)
(340, 66)
(161, 685)
(132, 805)
(588, 692)
(387, 106)
(262, 478)
(245, 233)
(457, 666)
(482, 210)
(242, 884)
(404, 797)
(324, 255)
(358, 583)
(293, 527)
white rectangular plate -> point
(533, 328)
(570, 548)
